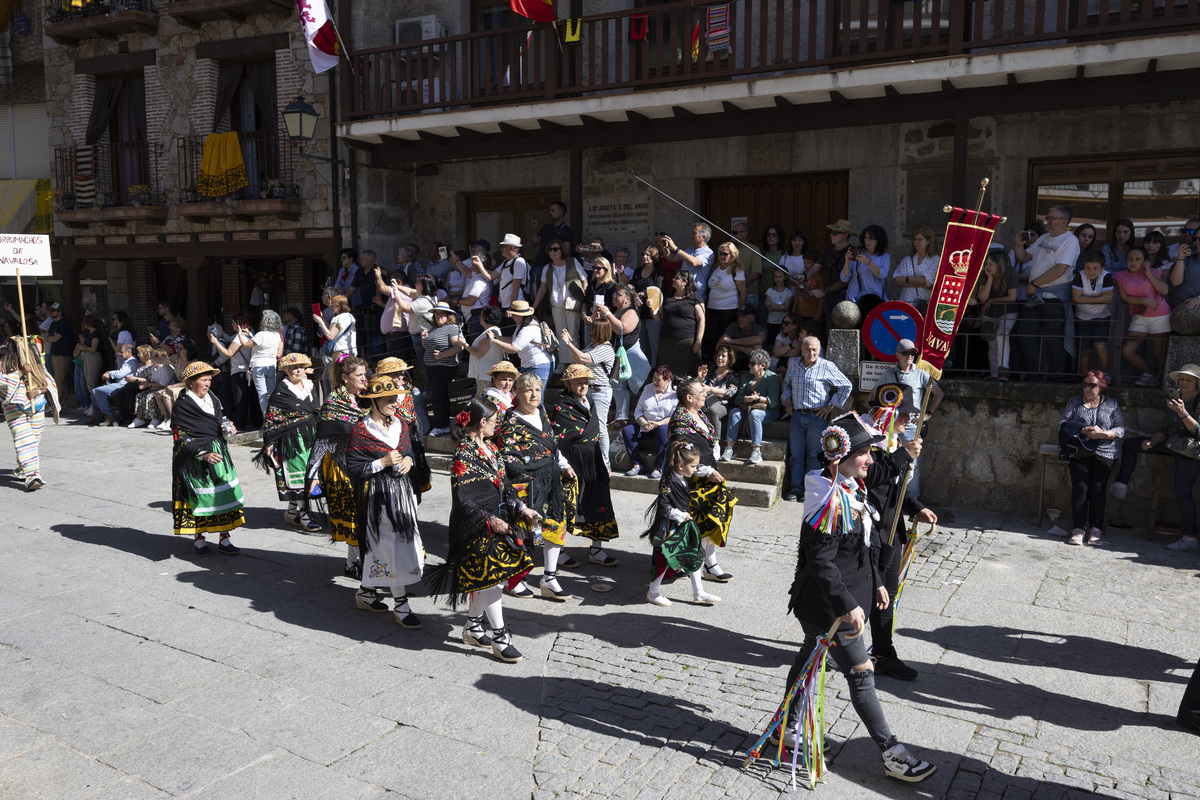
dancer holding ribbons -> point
(836, 578)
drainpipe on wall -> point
(335, 185)
(351, 167)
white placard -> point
(29, 253)
(869, 373)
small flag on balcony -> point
(639, 26)
(696, 43)
(319, 33)
(718, 28)
(536, 10)
(572, 30)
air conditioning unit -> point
(419, 29)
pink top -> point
(1137, 284)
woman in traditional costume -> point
(411, 412)
(205, 492)
(486, 551)
(711, 501)
(532, 457)
(380, 462)
(25, 390)
(288, 432)
(578, 432)
(327, 461)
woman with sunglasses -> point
(726, 294)
(602, 286)
(1098, 422)
(564, 282)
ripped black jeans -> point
(846, 654)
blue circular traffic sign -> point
(887, 324)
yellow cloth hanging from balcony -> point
(222, 170)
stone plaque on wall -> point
(617, 218)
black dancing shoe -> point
(895, 668)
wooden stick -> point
(908, 472)
(21, 305)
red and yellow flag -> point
(964, 249)
(536, 10)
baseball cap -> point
(748, 310)
(905, 345)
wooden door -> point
(491, 215)
(806, 201)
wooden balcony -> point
(765, 38)
(271, 171)
(100, 20)
(193, 13)
(121, 185)
(111, 215)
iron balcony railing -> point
(271, 166)
(671, 45)
(107, 174)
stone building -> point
(803, 113)
(133, 89)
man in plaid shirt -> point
(295, 338)
(812, 389)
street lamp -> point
(300, 119)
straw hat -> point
(511, 239)
(842, 226)
(197, 369)
(443, 307)
(382, 386)
(1186, 369)
(520, 308)
(654, 298)
(576, 372)
(504, 368)
(295, 360)
(391, 366)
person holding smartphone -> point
(1184, 277)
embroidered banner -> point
(572, 30)
(964, 248)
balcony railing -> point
(270, 160)
(766, 37)
(107, 175)
(73, 21)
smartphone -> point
(1173, 393)
(443, 253)
(598, 300)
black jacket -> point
(883, 492)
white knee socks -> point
(490, 601)
(351, 555)
(710, 557)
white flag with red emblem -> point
(319, 33)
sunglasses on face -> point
(1188, 231)
(912, 353)
(553, 249)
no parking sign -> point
(887, 324)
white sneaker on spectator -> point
(755, 456)
(1184, 544)
(138, 423)
(1118, 490)
(727, 453)
(1146, 380)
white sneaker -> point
(902, 765)
(727, 454)
(138, 423)
(657, 600)
(1184, 544)
(755, 456)
(1118, 490)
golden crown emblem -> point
(960, 260)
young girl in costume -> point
(676, 541)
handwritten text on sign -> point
(617, 215)
(30, 254)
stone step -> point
(767, 473)
(772, 449)
(753, 495)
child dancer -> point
(674, 536)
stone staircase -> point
(755, 485)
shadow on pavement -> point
(1078, 653)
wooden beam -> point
(783, 104)
(1013, 86)
(396, 139)
(838, 99)
(1151, 71)
(513, 130)
(471, 133)
(593, 122)
(1080, 76)
(553, 127)
(431, 137)
(359, 145)
(640, 119)
(684, 114)
(736, 111)
(948, 88)
(114, 65)
(247, 46)
(893, 94)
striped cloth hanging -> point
(718, 28)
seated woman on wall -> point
(1098, 423)
(1178, 428)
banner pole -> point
(909, 470)
(21, 305)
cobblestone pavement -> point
(133, 670)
